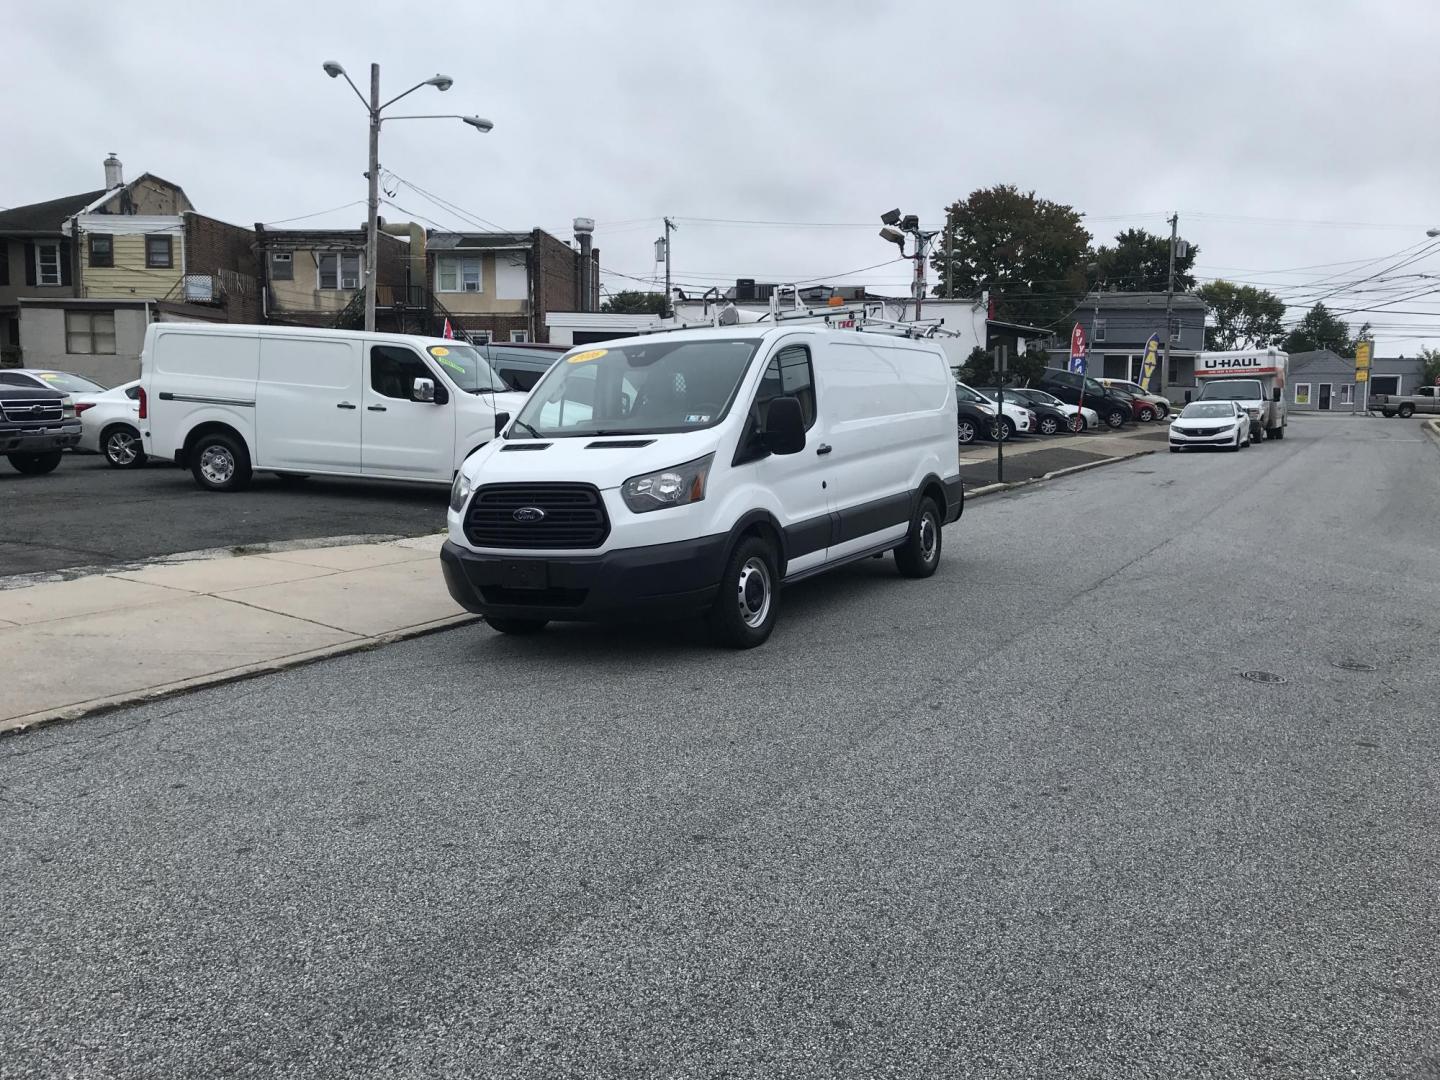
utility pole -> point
(949, 256)
(919, 287)
(1001, 366)
(1169, 297)
(372, 211)
(669, 227)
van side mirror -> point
(423, 390)
(501, 419)
(1275, 394)
(785, 426)
(1188, 396)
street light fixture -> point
(1432, 232)
(897, 227)
(375, 108)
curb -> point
(96, 706)
(994, 489)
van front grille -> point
(537, 516)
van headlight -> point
(676, 486)
(460, 491)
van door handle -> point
(824, 448)
(373, 408)
(344, 405)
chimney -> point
(584, 233)
(114, 177)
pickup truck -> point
(1426, 399)
(36, 427)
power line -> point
(317, 213)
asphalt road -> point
(1024, 819)
(86, 514)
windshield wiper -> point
(533, 433)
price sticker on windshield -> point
(586, 357)
(442, 354)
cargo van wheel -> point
(919, 556)
(1278, 433)
(516, 626)
(220, 462)
(744, 611)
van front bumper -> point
(658, 581)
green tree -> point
(1320, 329)
(1431, 357)
(635, 302)
(1030, 253)
(1245, 317)
(1140, 262)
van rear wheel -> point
(744, 611)
(919, 556)
(219, 462)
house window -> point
(1302, 393)
(282, 266)
(458, 273)
(90, 332)
(47, 264)
(519, 336)
(102, 250)
(159, 254)
(339, 270)
(1098, 330)
(480, 337)
(1346, 389)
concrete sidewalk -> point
(72, 647)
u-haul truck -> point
(1254, 379)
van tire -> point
(919, 556)
(1278, 433)
(743, 614)
(516, 626)
(36, 464)
(219, 462)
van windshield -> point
(1233, 390)
(466, 368)
(648, 387)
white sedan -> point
(110, 425)
(1221, 424)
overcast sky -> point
(1287, 133)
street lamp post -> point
(895, 230)
(375, 109)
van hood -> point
(606, 461)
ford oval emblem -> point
(529, 513)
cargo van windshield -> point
(649, 387)
(465, 366)
(1233, 390)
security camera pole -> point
(372, 207)
(897, 227)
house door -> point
(1325, 395)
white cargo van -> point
(229, 400)
(695, 471)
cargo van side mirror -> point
(423, 390)
(501, 419)
(785, 426)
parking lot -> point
(87, 514)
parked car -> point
(48, 379)
(1426, 399)
(1217, 424)
(37, 424)
(1147, 406)
(1114, 406)
(692, 472)
(1049, 420)
(1013, 418)
(226, 401)
(1076, 417)
(110, 425)
(521, 364)
(974, 416)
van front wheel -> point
(919, 556)
(745, 608)
(220, 463)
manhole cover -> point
(1262, 676)
(1354, 665)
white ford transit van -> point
(694, 471)
(228, 400)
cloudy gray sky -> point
(1287, 133)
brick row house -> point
(82, 276)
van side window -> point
(393, 371)
(788, 374)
